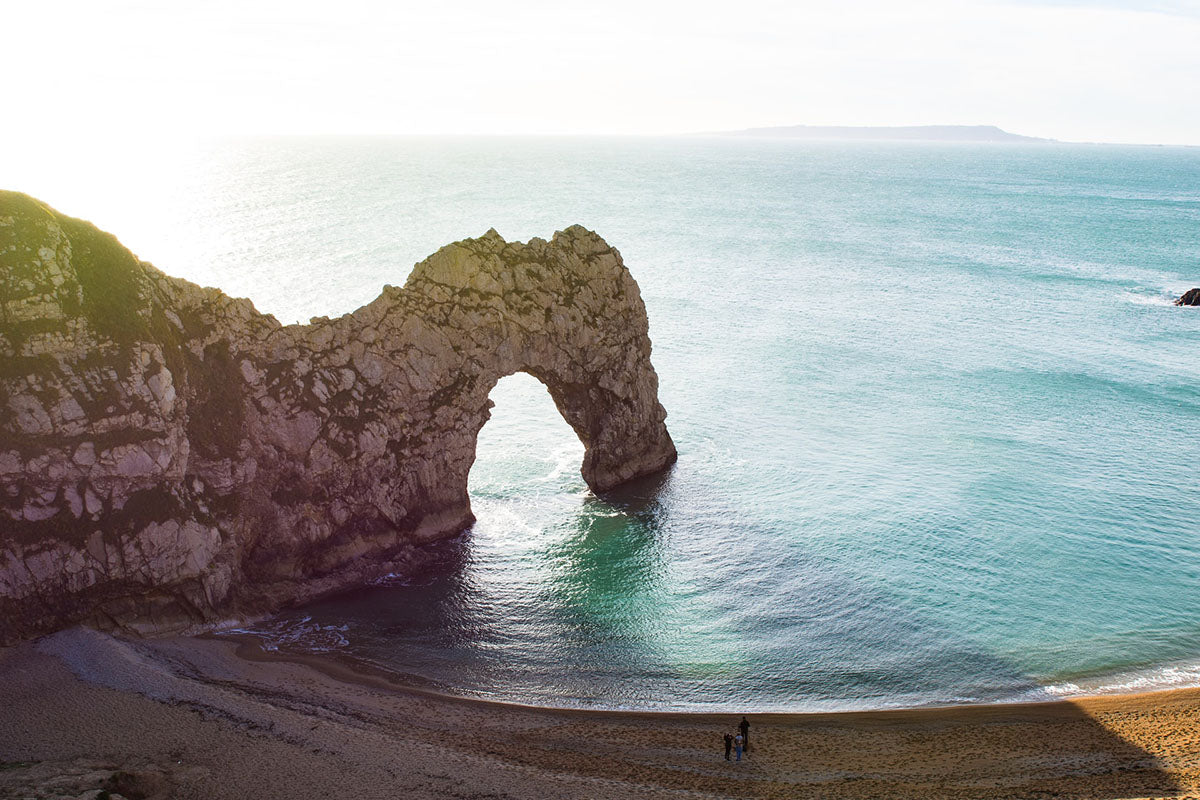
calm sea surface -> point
(938, 423)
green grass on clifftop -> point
(113, 281)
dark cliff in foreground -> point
(169, 457)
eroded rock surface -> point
(170, 457)
(1189, 298)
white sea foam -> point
(565, 459)
(1170, 676)
(303, 634)
(1147, 299)
(393, 579)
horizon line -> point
(167, 136)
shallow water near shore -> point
(936, 415)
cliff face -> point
(170, 457)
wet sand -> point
(210, 718)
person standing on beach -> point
(728, 745)
(737, 746)
(744, 727)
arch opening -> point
(524, 445)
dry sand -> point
(206, 718)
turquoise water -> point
(938, 423)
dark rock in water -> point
(1190, 298)
(170, 457)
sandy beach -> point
(212, 718)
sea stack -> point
(170, 457)
(1189, 298)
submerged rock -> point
(170, 457)
(1189, 298)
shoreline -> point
(251, 646)
(213, 718)
(342, 666)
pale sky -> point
(1093, 71)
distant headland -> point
(904, 133)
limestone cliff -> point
(170, 457)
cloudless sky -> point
(1095, 71)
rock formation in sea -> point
(1189, 298)
(170, 457)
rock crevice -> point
(170, 457)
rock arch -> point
(566, 312)
(169, 456)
